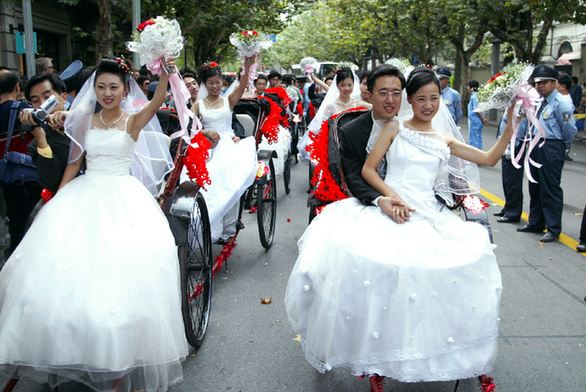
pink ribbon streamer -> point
(527, 99)
(252, 72)
(180, 96)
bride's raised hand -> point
(57, 120)
(511, 109)
(170, 65)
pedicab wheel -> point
(287, 174)
(266, 202)
(195, 265)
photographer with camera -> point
(50, 149)
(20, 198)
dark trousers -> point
(19, 205)
(583, 228)
(547, 196)
(512, 179)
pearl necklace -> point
(346, 105)
(212, 103)
(114, 123)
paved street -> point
(542, 345)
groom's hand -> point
(386, 203)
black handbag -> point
(17, 169)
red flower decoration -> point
(210, 65)
(46, 195)
(249, 33)
(486, 383)
(325, 187)
(270, 128)
(144, 24)
(195, 160)
(494, 77)
(224, 255)
(122, 64)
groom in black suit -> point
(385, 84)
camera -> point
(40, 115)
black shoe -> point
(506, 219)
(239, 225)
(581, 248)
(549, 237)
(529, 229)
(501, 213)
(569, 159)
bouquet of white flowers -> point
(308, 65)
(250, 42)
(503, 88)
(156, 38)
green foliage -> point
(207, 24)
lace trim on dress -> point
(371, 362)
(428, 141)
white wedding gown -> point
(232, 167)
(417, 301)
(92, 293)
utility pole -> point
(135, 23)
(29, 39)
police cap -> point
(543, 72)
(71, 70)
(443, 72)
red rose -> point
(254, 33)
(494, 77)
(144, 24)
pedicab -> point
(281, 112)
(261, 196)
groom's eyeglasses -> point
(393, 94)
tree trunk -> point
(459, 58)
(464, 79)
(104, 36)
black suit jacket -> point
(51, 170)
(353, 139)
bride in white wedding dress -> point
(414, 296)
(92, 293)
